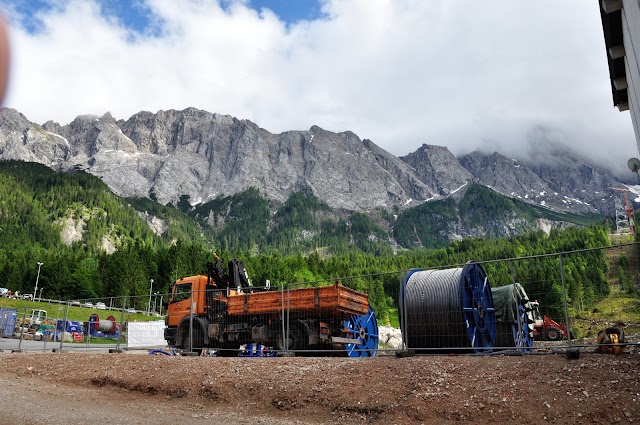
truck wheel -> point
(284, 343)
(553, 334)
(196, 340)
(294, 341)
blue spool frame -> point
(478, 310)
(366, 328)
(522, 337)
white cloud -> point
(462, 74)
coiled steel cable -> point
(448, 310)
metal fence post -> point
(87, 340)
(24, 318)
(289, 312)
(282, 315)
(124, 304)
(64, 325)
(45, 336)
(564, 292)
(57, 320)
(191, 321)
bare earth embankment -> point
(68, 388)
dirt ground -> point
(70, 388)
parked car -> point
(101, 306)
(88, 304)
(75, 302)
(27, 296)
(4, 292)
(131, 310)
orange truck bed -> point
(334, 299)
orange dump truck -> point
(326, 319)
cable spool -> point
(364, 328)
(514, 320)
(108, 326)
(448, 309)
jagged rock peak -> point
(438, 167)
(207, 155)
(557, 185)
(10, 119)
(107, 117)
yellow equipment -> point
(611, 341)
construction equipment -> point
(611, 341)
(37, 318)
(628, 210)
(544, 327)
(223, 312)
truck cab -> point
(198, 295)
(37, 317)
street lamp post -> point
(35, 290)
(150, 291)
(55, 330)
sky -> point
(511, 76)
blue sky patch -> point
(136, 16)
(291, 11)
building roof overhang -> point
(611, 16)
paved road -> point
(9, 344)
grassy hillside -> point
(75, 313)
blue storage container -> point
(7, 322)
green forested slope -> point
(300, 241)
(35, 203)
(480, 212)
(238, 222)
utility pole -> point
(155, 300)
(150, 291)
(35, 290)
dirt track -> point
(67, 388)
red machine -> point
(544, 327)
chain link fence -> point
(550, 302)
(522, 305)
(112, 324)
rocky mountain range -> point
(204, 155)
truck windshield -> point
(181, 292)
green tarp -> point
(505, 300)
